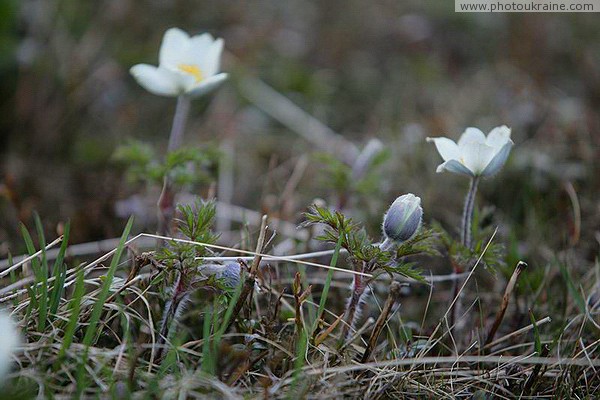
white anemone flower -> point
(9, 341)
(187, 66)
(475, 154)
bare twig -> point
(517, 332)
(393, 295)
(251, 278)
(536, 371)
(505, 299)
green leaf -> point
(536, 335)
(325, 292)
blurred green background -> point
(397, 71)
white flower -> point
(9, 340)
(475, 155)
(187, 66)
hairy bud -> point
(402, 221)
(229, 273)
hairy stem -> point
(386, 244)
(166, 201)
(353, 310)
(171, 312)
(179, 120)
(467, 218)
(467, 222)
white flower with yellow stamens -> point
(187, 66)
(9, 341)
(475, 154)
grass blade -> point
(325, 292)
(75, 306)
(39, 284)
(208, 361)
(60, 272)
(91, 332)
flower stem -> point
(179, 120)
(467, 218)
(351, 312)
(467, 222)
(358, 292)
(166, 201)
(386, 244)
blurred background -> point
(391, 70)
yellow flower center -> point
(193, 70)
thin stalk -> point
(325, 291)
(467, 218)
(249, 282)
(505, 299)
(465, 238)
(166, 201)
(354, 305)
(393, 295)
(179, 121)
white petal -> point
(497, 162)
(454, 166)
(207, 85)
(175, 45)
(476, 156)
(199, 50)
(471, 135)
(212, 59)
(159, 81)
(446, 147)
(498, 137)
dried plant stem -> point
(381, 321)
(250, 279)
(536, 371)
(505, 299)
(166, 201)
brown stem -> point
(536, 371)
(251, 278)
(505, 299)
(166, 208)
(381, 321)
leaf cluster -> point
(493, 258)
(186, 165)
(195, 224)
(363, 254)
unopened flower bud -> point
(402, 221)
(229, 273)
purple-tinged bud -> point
(229, 273)
(402, 221)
